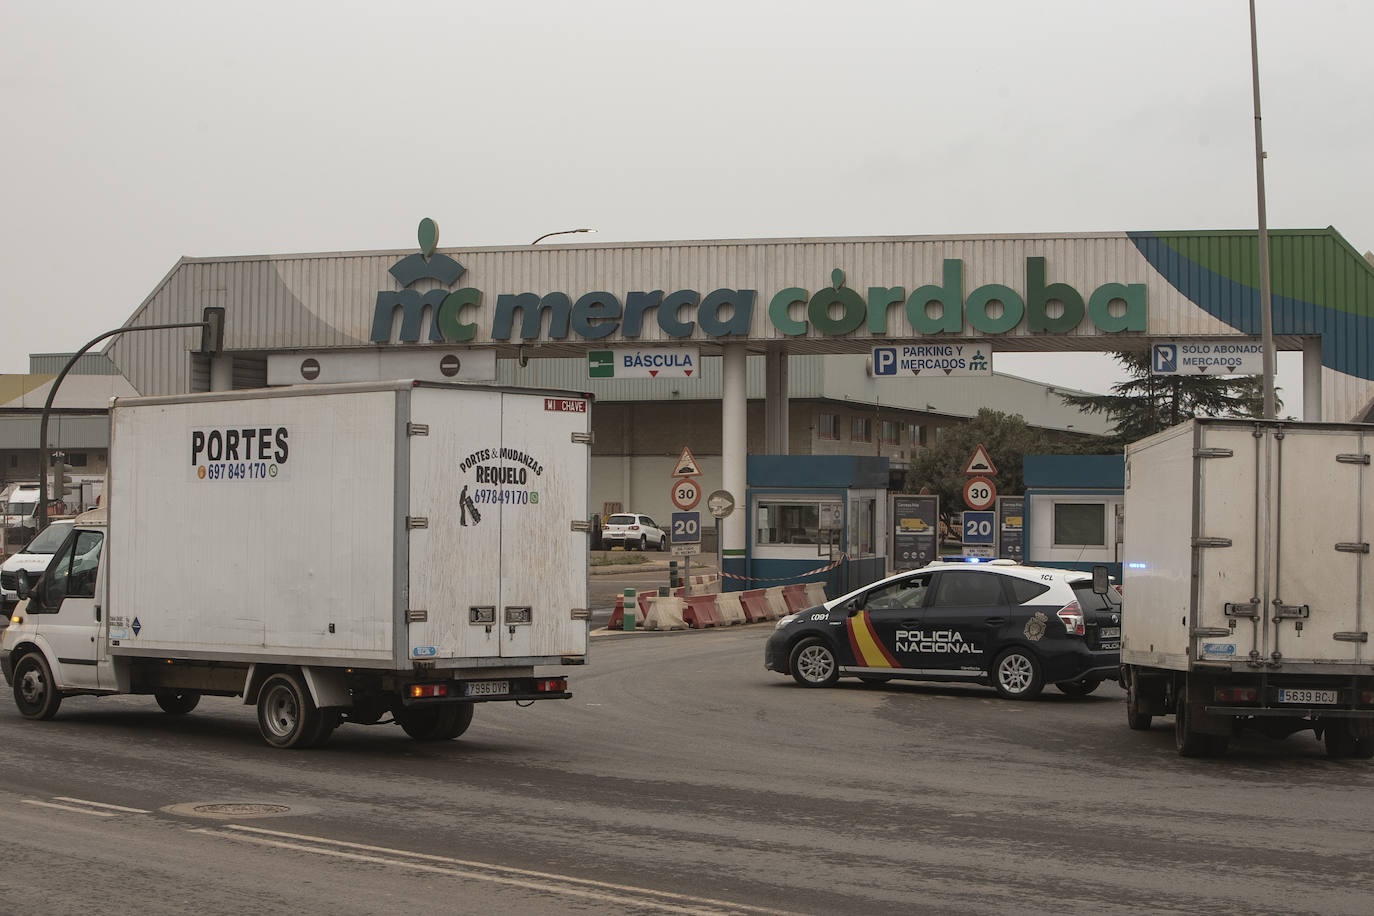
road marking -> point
(96, 804)
(547, 882)
(42, 804)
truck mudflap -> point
(486, 690)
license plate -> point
(1110, 632)
(486, 688)
(1307, 697)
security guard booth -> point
(1074, 515)
(815, 518)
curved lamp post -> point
(560, 232)
(211, 340)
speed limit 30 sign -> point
(979, 493)
(685, 493)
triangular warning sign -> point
(980, 465)
(686, 465)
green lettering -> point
(447, 317)
(950, 295)
(1039, 296)
(976, 308)
(783, 300)
(880, 298)
(1132, 294)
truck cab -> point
(54, 645)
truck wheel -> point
(1135, 717)
(34, 691)
(177, 702)
(813, 663)
(1079, 688)
(1016, 675)
(1341, 742)
(436, 723)
(1191, 743)
(287, 717)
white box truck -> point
(371, 552)
(1247, 570)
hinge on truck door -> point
(1250, 610)
(1291, 611)
(581, 524)
(1360, 636)
(417, 429)
(417, 615)
(1353, 459)
(417, 521)
(583, 438)
(1211, 542)
(1353, 547)
(1211, 632)
(1213, 453)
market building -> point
(861, 345)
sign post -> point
(685, 533)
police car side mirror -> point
(1102, 580)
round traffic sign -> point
(721, 503)
(686, 494)
(979, 493)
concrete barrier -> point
(700, 611)
(795, 598)
(777, 605)
(815, 593)
(665, 613)
(755, 605)
(729, 609)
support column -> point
(1312, 380)
(734, 431)
(775, 404)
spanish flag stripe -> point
(868, 651)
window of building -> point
(827, 426)
(76, 459)
(1080, 525)
(918, 434)
(861, 429)
(890, 432)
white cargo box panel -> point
(282, 524)
(1249, 542)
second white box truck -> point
(344, 553)
(1248, 579)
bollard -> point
(663, 591)
(673, 580)
(627, 622)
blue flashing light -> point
(1137, 566)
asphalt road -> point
(681, 778)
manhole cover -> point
(239, 810)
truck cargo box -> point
(382, 525)
(1247, 547)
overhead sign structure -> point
(1207, 357)
(686, 465)
(979, 493)
(910, 360)
(980, 464)
(686, 493)
(643, 362)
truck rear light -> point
(551, 685)
(1236, 694)
(1071, 615)
(418, 691)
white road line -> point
(96, 804)
(481, 871)
(41, 804)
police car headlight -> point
(790, 618)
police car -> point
(1014, 627)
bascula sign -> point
(833, 311)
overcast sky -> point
(138, 131)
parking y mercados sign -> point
(833, 310)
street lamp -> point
(560, 232)
(211, 342)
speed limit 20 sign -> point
(685, 493)
(979, 493)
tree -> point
(1146, 403)
(939, 468)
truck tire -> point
(1191, 743)
(1136, 718)
(177, 702)
(287, 717)
(435, 723)
(813, 663)
(1016, 675)
(1342, 742)
(34, 691)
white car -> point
(633, 532)
(32, 560)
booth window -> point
(827, 426)
(863, 514)
(1080, 524)
(790, 522)
(861, 429)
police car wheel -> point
(813, 663)
(1016, 675)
